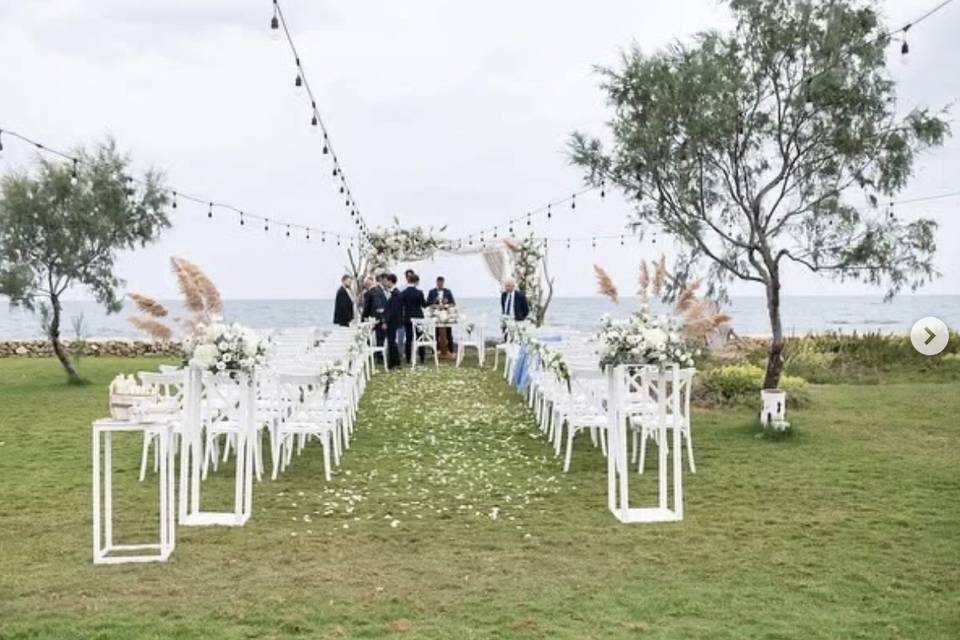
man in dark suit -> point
(440, 295)
(375, 308)
(513, 302)
(393, 320)
(413, 304)
(343, 307)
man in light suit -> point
(513, 302)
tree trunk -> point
(775, 355)
(54, 334)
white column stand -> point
(192, 455)
(620, 380)
(105, 550)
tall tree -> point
(63, 225)
(772, 144)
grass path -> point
(450, 518)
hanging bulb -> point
(573, 201)
(621, 241)
(298, 85)
(266, 224)
(341, 188)
(74, 174)
(288, 231)
(594, 243)
(210, 211)
(603, 189)
(323, 236)
(338, 241)
(241, 218)
(308, 234)
(549, 211)
(529, 221)
(335, 171)
(494, 232)
(313, 123)
(174, 199)
(346, 203)
(568, 243)
(275, 23)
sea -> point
(801, 315)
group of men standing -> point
(394, 310)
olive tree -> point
(63, 224)
(777, 142)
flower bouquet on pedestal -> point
(642, 339)
(224, 348)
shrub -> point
(741, 384)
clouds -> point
(441, 113)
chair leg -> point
(693, 466)
(326, 455)
(643, 450)
(571, 432)
(143, 457)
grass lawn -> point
(449, 518)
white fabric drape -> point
(496, 255)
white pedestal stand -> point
(105, 551)
(192, 453)
(622, 382)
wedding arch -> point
(523, 259)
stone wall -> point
(92, 348)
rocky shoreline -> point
(89, 348)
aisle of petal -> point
(429, 446)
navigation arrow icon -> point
(931, 335)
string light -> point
(74, 173)
(277, 23)
(210, 211)
(175, 201)
(573, 201)
(241, 218)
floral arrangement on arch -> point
(643, 339)
(529, 254)
(551, 360)
(398, 244)
(224, 348)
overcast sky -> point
(449, 113)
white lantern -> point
(773, 403)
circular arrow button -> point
(929, 336)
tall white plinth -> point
(648, 393)
(204, 401)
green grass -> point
(851, 529)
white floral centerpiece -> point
(224, 348)
(643, 339)
(444, 313)
(517, 331)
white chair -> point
(642, 415)
(424, 337)
(304, 416)
(473, 339)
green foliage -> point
(741, 384)
(63, 225)
(864, 357)
(756, 147)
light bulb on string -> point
(288, 231)
(335, 171)
(549, 211)
(275, 23)
(905, 48)
(568, 243)
(603, 189)
(298, 85)
(622, 241)
(174, 199)
(573, 201)
(74, 173)
(594, 243)
(266, 224)
(529, 221)
(308, 234)
(210, 211)
(241, 218)
(323, 236)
